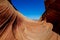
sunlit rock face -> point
(15, 26)
(52, 14)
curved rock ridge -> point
(6, 15)
(15, 26)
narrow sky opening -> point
(32, 9)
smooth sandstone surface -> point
(15, 26)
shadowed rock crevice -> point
(52, 14)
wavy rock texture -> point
(15, 26)
(52, 14)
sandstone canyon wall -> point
(15, 26)
(52, 14)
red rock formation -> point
(15, 26)
(52, 13)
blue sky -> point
(32, 9)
